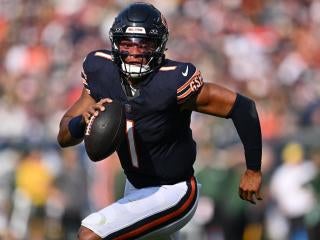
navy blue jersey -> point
(159, 148)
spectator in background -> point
(9, 159)
(71, 186)
(220, 178)
(313, 217)
(33, 182)
(289, 189)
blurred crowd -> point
(266, 49)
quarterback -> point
(157, 157)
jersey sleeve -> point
(190, 82)
(92, 63)
(89, 67)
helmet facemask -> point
(136, 55)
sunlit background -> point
(268, 50)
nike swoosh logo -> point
(185, 73)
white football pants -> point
(147, 213)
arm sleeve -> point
(246, 120)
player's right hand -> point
(94, 109)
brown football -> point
(105, 132)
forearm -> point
(245, 118)
(72, 124)
(71, 132)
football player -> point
(159, 95)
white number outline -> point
(132, 144)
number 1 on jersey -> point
(132, 145)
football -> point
(105, 132)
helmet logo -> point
(118, 30)
(140, 30)
(153, 31)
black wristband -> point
(76, 127)
(245, 118)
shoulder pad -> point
(95, 60)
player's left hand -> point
(249, 188)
